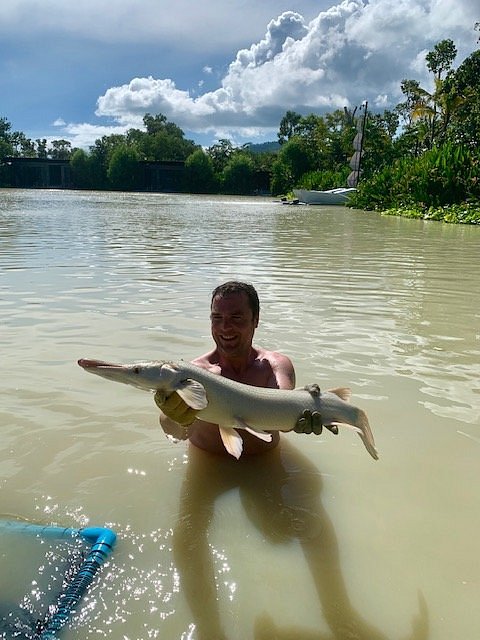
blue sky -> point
(80, 69)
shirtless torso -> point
(262, 369)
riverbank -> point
(466, 213)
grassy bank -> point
(467, 213)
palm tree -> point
(437, 107)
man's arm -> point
(283, 372)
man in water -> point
(234, 316)
(280, 489)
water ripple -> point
(388, 306)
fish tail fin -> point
(366, 433)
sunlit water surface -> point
(320, 541)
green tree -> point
(295, 158)
(123, 169)
(380, 145)
(338, 139)
(289, 126)
(41, 147)
(163, 140)
(315, 149)
(464, 125)
(412, 91)
(282, 181)
(435, 109)
(81, 166)
(238, 175)
(220, 153)
(440, 59)
(6, 150)
(154, 124)
(5, 128)
(100, 154)
(60, 150)
(22, 146)
(199, 173)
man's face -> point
(233, 325)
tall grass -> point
(446, 175)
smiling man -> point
(234, 315)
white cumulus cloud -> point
(352, 52)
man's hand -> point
(175, 408)
(311, 422)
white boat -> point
(331, 196)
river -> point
(320, 541)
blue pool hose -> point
(102, 541)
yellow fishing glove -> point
(175, 408)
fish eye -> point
(136, 370)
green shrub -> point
(446, 175)
(321, 180)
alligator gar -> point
(234, 405)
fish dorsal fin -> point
(342, 392)
(232, 441)
(193, 393)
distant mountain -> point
(264, 147)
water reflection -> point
(281, 494)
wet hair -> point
(235, 286)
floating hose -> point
(102, 541)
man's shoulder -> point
(206, 361)
(275, 358)
(280, 369)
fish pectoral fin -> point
(193, 393)
(232, 441)
(344, 393)
(262, 435)
(344, 424)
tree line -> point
(420, 156)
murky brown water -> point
(318, 540)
